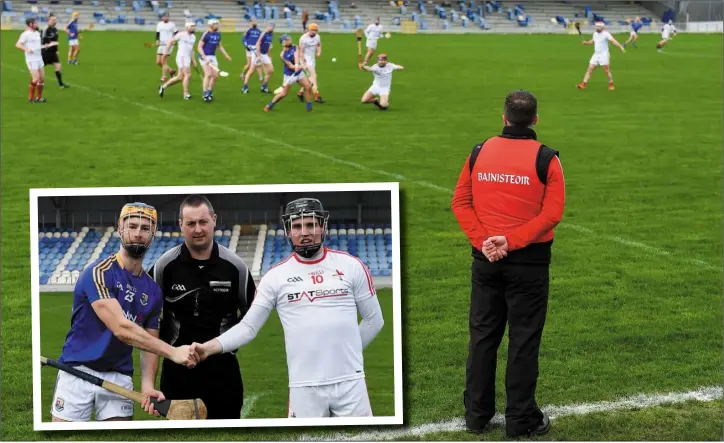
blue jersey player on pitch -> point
(73, 36)
(636, 25)
(293, 73)
(261, 58)
(116, 307)
(209, 41)
(249, 41)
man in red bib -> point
(509, 197)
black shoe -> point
(320, 100)
(541, 429)
(161, 90)
(64, 86)
(41, 100)
(301, 98)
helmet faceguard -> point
(306, 208)
(141, 211)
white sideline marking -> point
(249, 404)
(616, 239)
(641, 401)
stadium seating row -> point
(64, 252)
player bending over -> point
(635, 26)
(601, 55)
(251, 37)
(184, 59)
(293, 73)
(373, 33)
(165, 31)
(116, 307)
(318, 293)
(30, 43)
(379, 92)
(666, 35)
(73, 36)
(209, 41)
(310, 45)
(261, 59)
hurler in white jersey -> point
(373, 33)
(30, 43)
(165, 30)
(379, 92)
(310, 46)
(318, 293)
(184, 59)
(601, 55)
(667, 33)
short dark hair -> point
(194, 201)
(521, 108)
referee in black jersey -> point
(207, 289)
(50, 54)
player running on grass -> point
(261, 58)
(666, 35)
(251, 37)
(293, 73)
(318, 294)
(310, 45)
(379, 92)
(635, 26)
(184, 59)
(116, 307)
(601, 55)
(209, 41)
(165, 31)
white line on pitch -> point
(616, 239)
(641, 401)
(249, 404)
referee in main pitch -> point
(509, 197)
(207, 289)
(50, 53)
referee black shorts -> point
(50, 58)
(216, 381)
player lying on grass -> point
(379, 92)
(293, 73)
(318, 294)
(116, 307)
(601, 55)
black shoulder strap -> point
(474, 155)
(543, 160)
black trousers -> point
(216, 381)
(517, 295)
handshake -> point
(495, 248)
(189, 355)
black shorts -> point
(216, 381)
(50, 58)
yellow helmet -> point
(314, 27)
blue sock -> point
(309, 105)
(264, 85)
(246, 86)
(271, 105)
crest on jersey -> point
(144, 299)
(59, 404)
(339, 274)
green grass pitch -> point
(636, 289)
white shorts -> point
(312, 67)
(162, 50)
(292, 79)
(73, 42)
(372, 44)
(665, 38)
(183, 62)
(376, 90)
(344, 399)
(250, 52)
(265, 59)
(74, 399)
(634, 33)
(600, 59)
(212, 60)
(34, 65)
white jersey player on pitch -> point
(30, 43)
(601, 55)
(379, 92)
(318, 294)
(310, 46)
(184, 59)
(165, 30)
(373, 33)
(667, 33)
